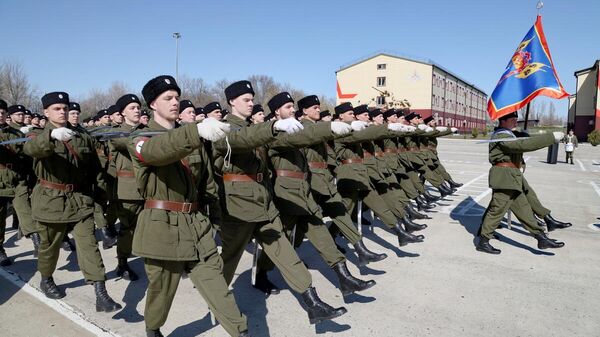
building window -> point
(380, 100)
(381, 81)
(381, 66)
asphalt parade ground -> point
(441, 287)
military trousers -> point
(502, 201)
(107, 214)
(313, 227)
(3, 214)
(88, 255)
(407, 185)
(22, 208)
(414, 178)
(333, 207)
(569, 155)
(128, 215)
(372, 200)
(432, 178)
(534, 202)
(207, 277)
(392, 197)
(235, 235)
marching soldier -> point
(506, 181)
(144, 117)
(130, 202)
(69, 178)
(258, 114)
(213, 110)
(353, 180)
(432, 144)
(247, 200)
(293, 198)
(323, 189)
(172, 235)
(187, 112)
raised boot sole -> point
(341, 311)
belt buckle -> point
(69, 188)
(186, 207)
(259, 177)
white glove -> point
(453, 129)
(26, 128)
(212, 129)
(409, 128)
(558, 135)
(441, 128)
(62, 134)
(396, 127)
(429, 129)
(358, 125)
(289, 125)
(340, 128)
(422, 127)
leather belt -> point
(7, 166)
(317, 164)
(243, 177)
(173, 206)
(352, 161)
(125, 174)
(508, 164)
(56, 186)
(291, 174)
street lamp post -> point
(177, 36)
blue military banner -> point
(529, 73)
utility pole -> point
(177, 36)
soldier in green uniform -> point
(506, 181)
(258, 114)
(300, 214)
(130, 202)
(187, 112)
(20, 201)
(353, 180)
(247, 200)
(172, 235)
(213, 110)
(69, 177)
(322, 185)
(432, 143)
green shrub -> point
(474, 132)
(484, 131)
(594, 137)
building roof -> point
(577, 72)
(407, 58)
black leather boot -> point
(366, 256)
(318, 310)
(109, 237)
(348, 283)
(484, 246)
(405, 237)
(244, 334)
(154, 333)
(50, 289)
(125, 272)
(4, 260)
(264, 285)
(553, 224)
(67, 244)
(35, 239)
(453, 183)
(422, 203)
(444, 192)
(414, 214)
(430, 198)
(104, 302)
(545, 242)
(412, 226)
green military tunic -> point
(170, 167)
(247, 206)
(507, 183)
(74, 166)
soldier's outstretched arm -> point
(311, 134)
(246, 139)
(527, 144)
(41, 144)
(167, 148)
(370, 133)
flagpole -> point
(526, 117)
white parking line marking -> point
(580, 165)
(596, 188)
(58, 306)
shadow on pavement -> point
(134, 293)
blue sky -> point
(80, 45)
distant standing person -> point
(570, 141)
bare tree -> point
(15, 87)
